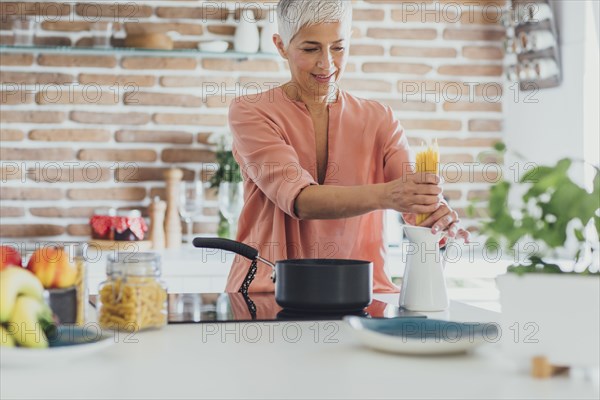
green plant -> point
(552, 209)
(229, 170)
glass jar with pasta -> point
(133, 297)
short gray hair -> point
(293, 15)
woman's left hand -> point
(443, 219)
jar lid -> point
(107, 211)
(129, 213)
(133, 264)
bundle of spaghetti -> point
(428, 161)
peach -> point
(53, 267)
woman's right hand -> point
(417, 193)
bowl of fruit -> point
(40, 306)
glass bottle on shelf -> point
(527, 13)
(526, 42)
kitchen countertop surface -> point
(284, 360)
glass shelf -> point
(133, 51)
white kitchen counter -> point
(224, 361)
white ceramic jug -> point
(423, 286)
(266, 36)
(247, 38)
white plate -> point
(421, 336)
(74, 343)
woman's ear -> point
(278, 41)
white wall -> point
(551, 124)
(592, 91)
(596, 11)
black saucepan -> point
(326, 285)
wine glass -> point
(191, 203)
(231, 202)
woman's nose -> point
(325, 61)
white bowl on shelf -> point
(215, 46)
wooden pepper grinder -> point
(173, 178)
(157, 223)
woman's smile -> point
(324, 78)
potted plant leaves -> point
(228, 171)
(550, 295)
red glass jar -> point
(129, 225)
(102, 224)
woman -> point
(320, 166)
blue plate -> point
(74, 336)
(422, 336)
(66, 343)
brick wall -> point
(85, 130)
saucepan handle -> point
(225, 244)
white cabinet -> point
(197, 285)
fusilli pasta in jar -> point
(132, 298)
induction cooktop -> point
(259, 307)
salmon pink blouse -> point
(274, 144)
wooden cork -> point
(542, 369)
(172, 221)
